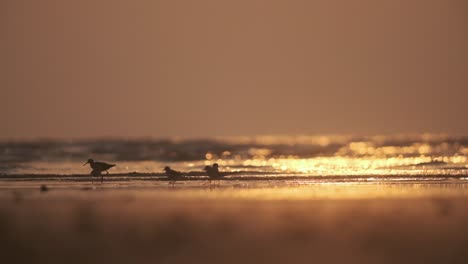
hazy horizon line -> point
(226, 137)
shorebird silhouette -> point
(213, 172)
(98, 167)
(44, 188)
(172, 175)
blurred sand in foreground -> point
(397, 223)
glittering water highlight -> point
(269, 156)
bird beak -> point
(85, 163)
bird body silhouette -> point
(172, 174)
(98, 167)
(213, 172)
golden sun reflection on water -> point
(317, 166)
(289, 190)
(421, 154)
(308, 191)
(352, 165)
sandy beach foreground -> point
(124, 222)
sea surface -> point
(265, 157)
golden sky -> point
(94, 68)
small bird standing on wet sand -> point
(98, 167)
(213, 172)
(172, 174)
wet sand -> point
(295, 221)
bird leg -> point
(209, 182)
(102, 176)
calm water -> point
(267, 156)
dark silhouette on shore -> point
(173, 175)
(99, 167)
(213, 172)
(44, 188)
